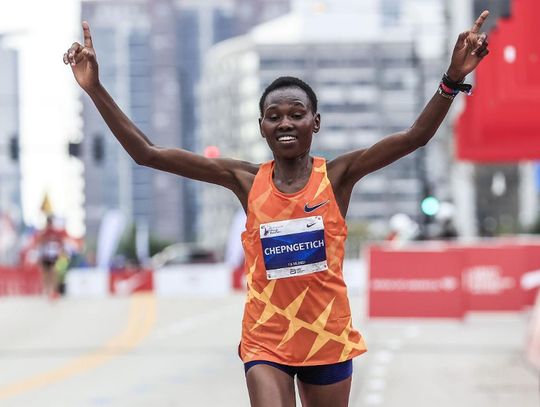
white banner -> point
(110, 232)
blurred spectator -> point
(51, 243)
(402, 229)
(445, 220)
(448, 231)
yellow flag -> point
(46, 206)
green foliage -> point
(536, 227)
(127, 246)
(157, 245)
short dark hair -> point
(289, 82)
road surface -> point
(148, 351)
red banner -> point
(500, 121)
(499, 275)
(20, 281)
(531, 253)
(415, 283)
(533, 340)
(126, 282)
(491, 277)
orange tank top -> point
(297, 311)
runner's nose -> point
(285, 124)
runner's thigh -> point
(270, 387)
(326, 395)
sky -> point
(41, 31)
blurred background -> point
(189, 73)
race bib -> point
(294, 247)
(51, 249)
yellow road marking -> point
(141, 319)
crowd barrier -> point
(420, 280)
(533, 335)
(125, 282)
(450, 279)
(438, 280)
(189, 279)
(20, 281)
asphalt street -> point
(148, 351)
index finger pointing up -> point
(87, 36)
(479, 22)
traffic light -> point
(430, 205)
(14, 148)
(98, 148)
(75, 149)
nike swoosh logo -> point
(311, 224)
(309, 209)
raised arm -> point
(232, 174)
(470, 49)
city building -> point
(373, 65)
(121, 33)
(150, 53)
(250, 13)
(10, 173)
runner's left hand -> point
(471, 47)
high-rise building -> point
(372, 69)
(10, 174)
(121, 34)
(150, 53)
(250, 13)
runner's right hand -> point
(83, 62)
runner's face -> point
(288, 122)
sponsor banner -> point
(533, 340)
(88, 283)
(193, 280)
(531, 252)
(293, 247)
(125, 282)
(500, 123)
(110, 232)
(20, 281)
(491, 277)
(414, 283)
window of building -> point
(391, 11)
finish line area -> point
(145, 350)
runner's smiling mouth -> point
(286, 138)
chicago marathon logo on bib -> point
(293, 247)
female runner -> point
(297, 319)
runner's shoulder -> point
(243, 172)
(339, 167)
(241, 168)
